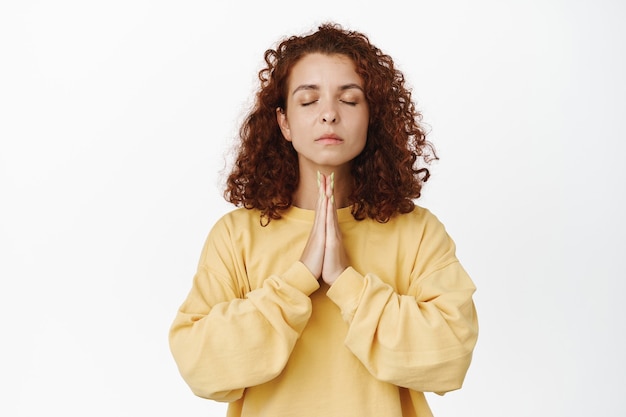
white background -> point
(115, 122)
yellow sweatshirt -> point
(259, 331)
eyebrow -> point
(315, 87)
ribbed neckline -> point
(343, 214)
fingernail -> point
(319, 180)
(332, 180)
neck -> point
(307, 192)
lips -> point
(329, 138)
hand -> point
(324, 253)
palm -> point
(324, 253)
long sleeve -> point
(422, 339)
(226, 337)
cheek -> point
(364, 127)
(298, 122)
(360, 140)
(363, 143)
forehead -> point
(322, 69)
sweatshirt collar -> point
(343, 214)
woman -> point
(328, 292)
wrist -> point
(330, 280)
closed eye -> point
(308, 103)
(350, 103)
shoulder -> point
(421, 218)
(230, 230)
(237, 219)
(240, 216)
(425, 228)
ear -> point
(281, 118)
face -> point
(327, 116)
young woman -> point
(328, 292)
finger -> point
(318, 232)
(313, 253)
(335, 259)
(332, 221)
(321, 201)
(329, 186)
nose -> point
(329, 114)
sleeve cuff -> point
(346, 292)
(299, 277)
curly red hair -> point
(388, 174)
